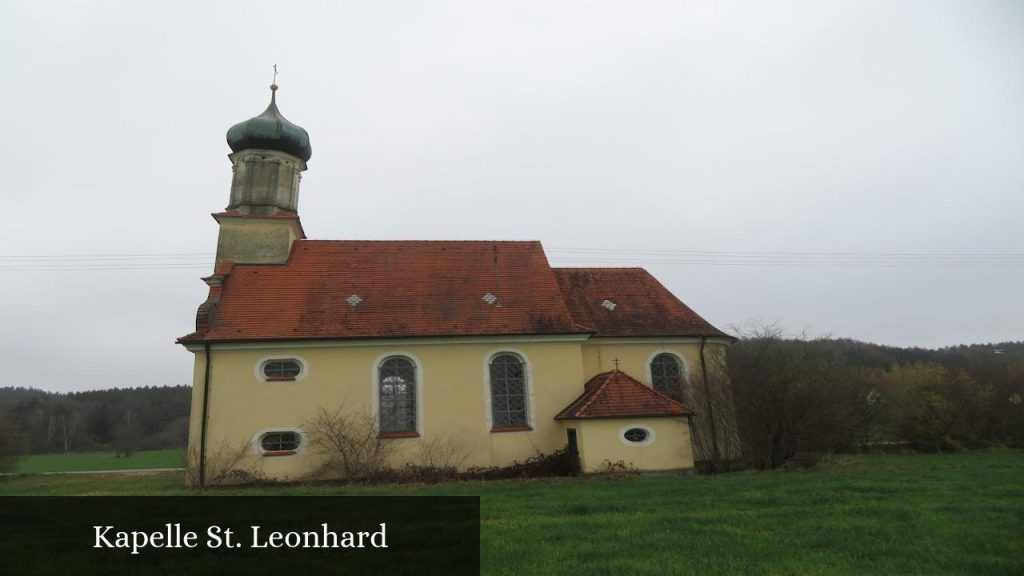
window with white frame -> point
(281, 369)
(280, 442)
(667, 376)
(636, 435)
(397, 395)
(508, 391)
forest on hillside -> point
(121, 419)
(797, 399)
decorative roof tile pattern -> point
(641, 306)
(407, 289)
(616, 394)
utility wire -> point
(562, 256)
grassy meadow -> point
(87, 461)
(929, 514)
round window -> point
(636, 435)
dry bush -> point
(224, 466)
(437, 460)
(349, 444)
(617, 469)
(558, 463)
(443, 452)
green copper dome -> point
(270, 131)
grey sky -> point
(623, 128)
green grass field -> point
(81, 461)
(882, 514)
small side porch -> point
(618, 421)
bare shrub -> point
(558, 463)
(349, 444)
(437, 460)
(225, 465)
(617, 469)
(443, 452)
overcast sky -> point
(852, 168)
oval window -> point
(636, 435)
(281, 369)
(280, 441)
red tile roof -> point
(642, 306)
(406, 288)
(616, 394)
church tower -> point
(261, 221)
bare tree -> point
(66, 420)
(127, 435)
(795, 397)
(716, 441)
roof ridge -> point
(664, 396)
(597, 391)
(582, 268)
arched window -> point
(667, 376)
(508, 391)
(397, 381)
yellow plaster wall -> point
(453, 401)
(600, 442)
(634, 358)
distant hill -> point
(124, 419)
(878, 356)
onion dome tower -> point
(261, 221)
(269, 155)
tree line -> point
(124, 420)
(797, 398)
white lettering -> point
(383, 537)
(217, 537)
(323, 538)
(137, 540)
(101, 537)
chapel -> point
(480, 349)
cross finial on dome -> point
(273, 83)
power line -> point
(104, 256)
(563, 255)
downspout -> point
(708, 402)
(205, 414)
(693, 437)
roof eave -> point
(187, 340)
(574, 417)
